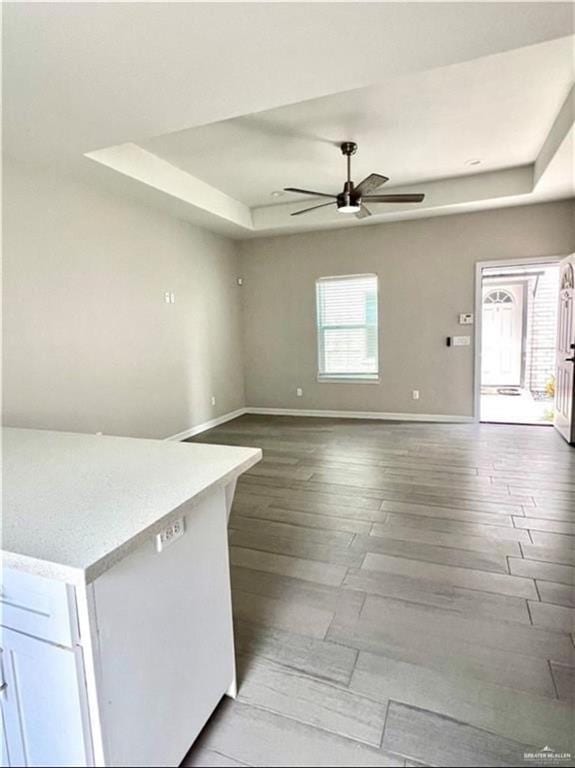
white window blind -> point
(347, 327)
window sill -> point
(348, 379)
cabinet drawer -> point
(37, 606)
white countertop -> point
(74, 504)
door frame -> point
(479, 267)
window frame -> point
(343, 378)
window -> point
(498, 297)
(347, 327)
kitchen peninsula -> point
(117, 637)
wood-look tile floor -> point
(403, 594)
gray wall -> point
(426, 278)
(89, 343)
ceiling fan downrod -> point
(347, 201)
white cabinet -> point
(127, 669)
(113, 653)
(38, 607)
(41, 703)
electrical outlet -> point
(299, 392)
(170, 533)
(213, 400)
(415, 394)
(169, 297)
(466, 318)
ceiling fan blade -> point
(371, 182)
(363, 213)
(414, 198)
(308, 192)
(313, 208)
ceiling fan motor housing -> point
(349, 201)
(348, 148)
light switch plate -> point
(461, 341)
(170, 533)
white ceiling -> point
(417, 84)
(413, 128)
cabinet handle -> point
(3, 687)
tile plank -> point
(254, 736)
(515, 586)
(442, 740)
(314, 702)
(480, 560)
(473, 543)
(534, 569)
(299, 618)
(296, 546)
(526, 718)
(322, 573)
(315, 657)
(267, 527)
(422, 509)
(308, 519)
(544, 524)
(559, 594)
(466, 602)
(564, 681)
(553, 617)
(490, 533)
(561, 556)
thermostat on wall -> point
(466, 318)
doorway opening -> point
(517, 313)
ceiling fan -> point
(353, 199)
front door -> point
(565, 363)
(502, 335)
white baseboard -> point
(439, 418)
(377, 415)
(208, 425)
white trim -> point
(207, 425)
(330, 378)
(345, 277)
(479, 267)
(441, 418)
(376, 415)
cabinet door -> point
(41, 703)
(12, 747)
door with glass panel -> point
(565, 361)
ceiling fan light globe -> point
(348, 208)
